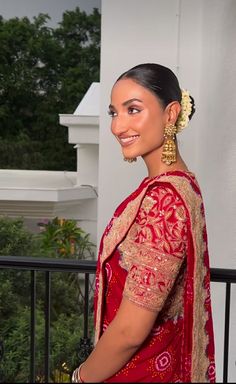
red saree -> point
(154, 252)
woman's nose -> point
(119, 125)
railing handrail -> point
(71, 265)
(48, 264)
(226, 275)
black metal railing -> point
(47, 265)
(88, 267)
(227, 276)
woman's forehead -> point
(129, 89)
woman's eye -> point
(112, 113)
(133, 110)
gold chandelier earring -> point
(130, 160)
(169, 149)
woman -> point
(152, 303)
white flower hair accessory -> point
(186, 109)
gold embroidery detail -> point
(145, 250)
(174, 305)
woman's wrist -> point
(76, 375)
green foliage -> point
(65, 238)
(44, 72)
(16, 347)
(14, 238)
(66, 301)
(65, 333)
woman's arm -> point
(122, 338)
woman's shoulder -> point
(161, 198)
(172, 189)
(177, 183)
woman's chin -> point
(129, 155)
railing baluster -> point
(47, 324)
(226, 334)
(85, 344)
(32, 326)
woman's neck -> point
(155, 165)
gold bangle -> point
(76, 378)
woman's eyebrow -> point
(131, 101)
(127, 102)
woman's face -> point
(138, 119)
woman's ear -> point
(172, 112)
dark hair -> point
(159, 80)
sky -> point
(54, 8)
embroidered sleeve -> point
(154, 249)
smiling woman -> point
(152, 304)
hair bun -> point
(186, 112)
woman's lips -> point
(125, 141)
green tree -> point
(15, 239)
(44, 72)
(65, 333)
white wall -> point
(133, 32)
(217, 151)
(196, 39)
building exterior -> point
(42, 195)
(196, 39)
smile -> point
(124, 141)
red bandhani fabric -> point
(154, 252)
